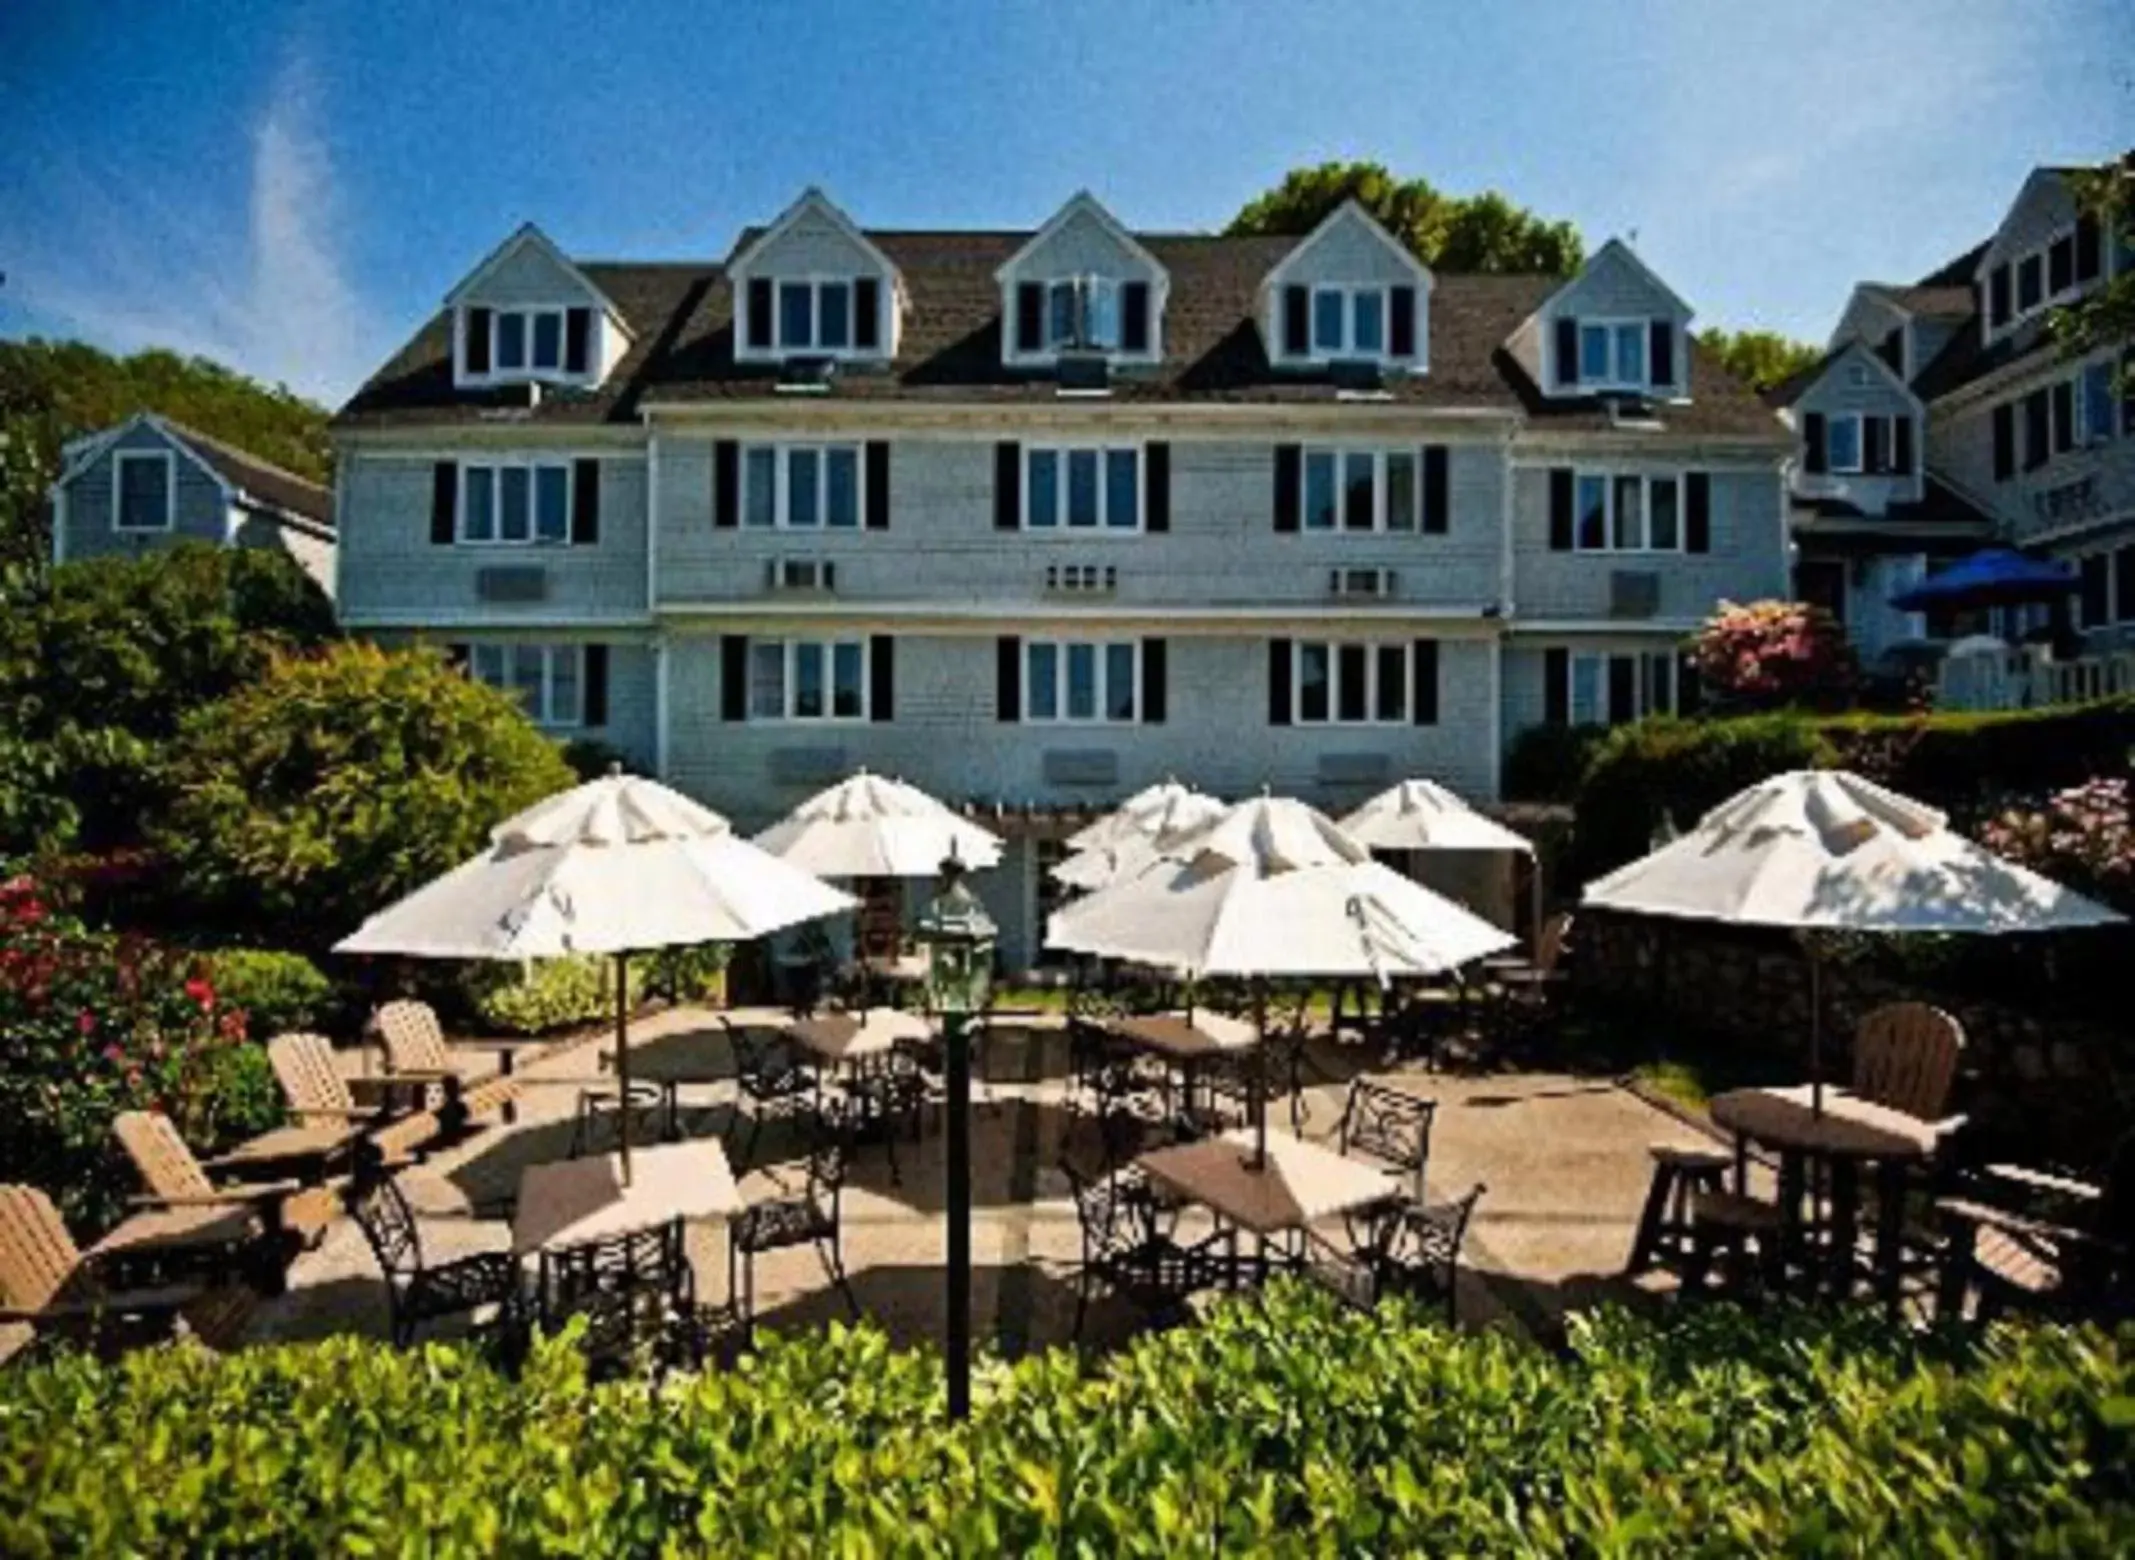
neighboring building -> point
(1035, 518)
(150, 482)
(2024, 444)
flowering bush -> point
(94, 1025)
(1769, 654)
(2083, 836)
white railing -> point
(2023, 679)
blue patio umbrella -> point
(1991, 577)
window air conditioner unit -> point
(1082, 578)
(806, 375)
(803, 574)
(1362, 584)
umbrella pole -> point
(622, 1056)
(1816, 1032)
(1260, 1075)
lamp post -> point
(958, 935)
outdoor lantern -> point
(957, 935)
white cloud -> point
(144, 257)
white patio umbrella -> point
(1827, 850)
(1422, 815)
(615, 866)
(1274, 889)
(1132, 840)
(871, 826)
(1132, 817)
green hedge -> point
(276, 991)
(1289, 1428)
(1963, 761)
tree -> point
(2105, 316)
(1478, 233)
(54, 391)
(340, 781)
(1759, 358)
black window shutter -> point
(1901, 451)
(2124, 583)
(2005, 441)
(733, 676)
(585, 503)
(1815, 451)
(1296, 321)
(1557, 687)
(1567, 351)
(1007, 485)
(1030, 317)
(1134, 334)
(1623, 687)
(2089, 248)
(2061, 264)
(1875, 443)
(1423, 682)
(478, 340)
(1278, 682)
(1560, 509)
(1998, 296)
(726, 484)
(1697, 512)
(458, 654)
(881, 678)
(444, 503)
(1437, 495)
(2064, 416)
(867, 313)
(596, 692)
(1660, 353)
(2036, 431)
(1401, 312)
(1154, 682)
(878, 484)
(1156, 486)
(1008, 679)
(2127, 390)
(577, 339)
(759, 311)
(1289, 476)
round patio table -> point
(1848, 1133)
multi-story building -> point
(1034, 518)
(1946, 414)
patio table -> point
(839, 1038)
(569, 1201)
(1848, 1133)
(1188, 1043)
(1301, 1183)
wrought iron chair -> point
(637, 1294)
(813, 1215)
(418, 1291)
(1111, 1084)
(772, 1084)
(1407, 1248)
(1389, 1125)
(1128, 1247)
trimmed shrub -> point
(544, 994)
(1547, 763)
(1968, 761)
(276, 991)
(696, 974)
(338, 782)
(1280, 1427)
(590, 758)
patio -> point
(1564, 1157)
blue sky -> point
(294, 187)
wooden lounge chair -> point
(277, 1217)
(416, 1053)
(319, 1099)
(50, 1289)
(2047, 1244)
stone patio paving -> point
(1564, 1158)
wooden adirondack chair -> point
(275, 1217)
(50, 1288)
(415, 1052)
(1905, 1056)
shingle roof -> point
(1957, 272)
(950, 349)
(1940, 301)
(264, 481)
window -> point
(517, 504)
(815, 314)
(143, 491)
(1360, 490)
(528, 340)
(801, 487)
(1078, 488)
(1082, 311)
(548, 339)
(1998, 296)
(1351, 322)
(1627, 512)
(1613, 353)
(2094, 603)
(1350, 683)
(2030, 283)
(1081, 681)
(1606, 689)
(1842, 437)
(807, 679)
(548, 680)
(2100, 408)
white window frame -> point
(1645, 479)
(1374, 651)
(816, 282)
(1348, 349)
(492, 470)
(1642, 328)
(782, 485)
(1060, 450)
(1100, 650)
(169, 462)
(1642, 685)
(1381, 490)
(1085, 287)
(1859, 464)
(497, 373)
(791, 648)
(547, 716)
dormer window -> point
(1330, 323)
(523, 343)
(834, 315)
(1082, 314)
(1615, 355)
(2055, 272)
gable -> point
(811, 241)
(1615, 283)
(1082, 242)
(141, 433)
(1350, 247)
(528, 269)
(1856, 380)
(2044, 207)
(1868, 318)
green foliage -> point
(693, 974)
(54, 391)
(277, 992)
(544, 994)
(591, 759)
(340, 781)
(1546, 763)
(2104, 316)
(1288, 1427)
(1964, 761)
(1759, 358)
(95, 1025)
(100, 661)
(1478, 233)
